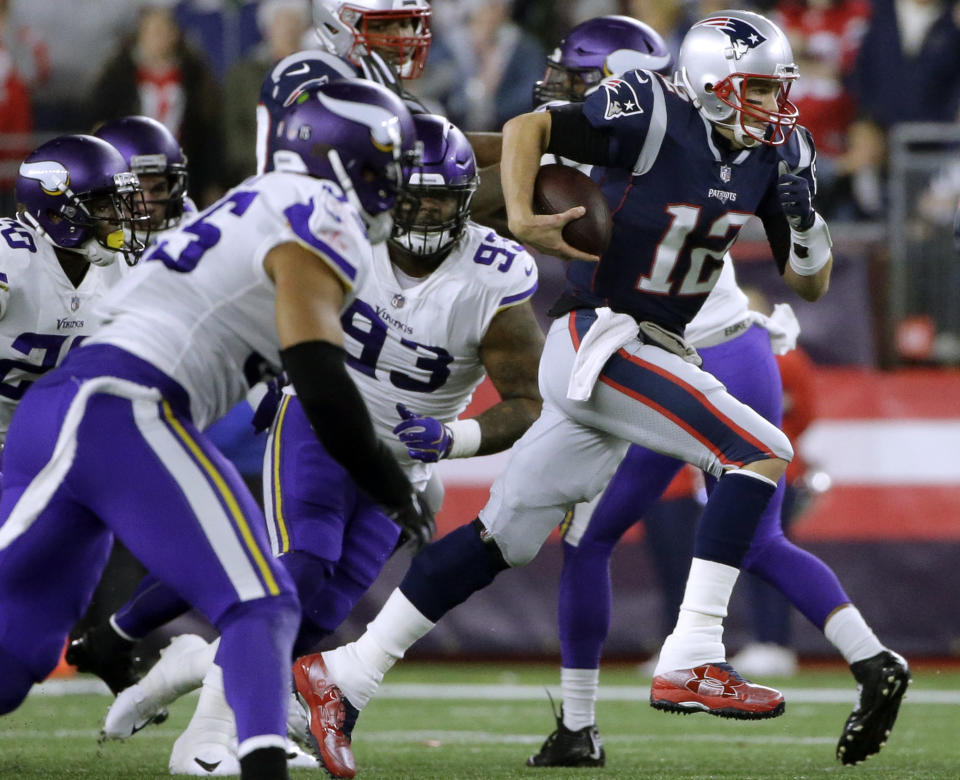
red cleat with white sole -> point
(716, 689)
(330, 716)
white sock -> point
(697, 638)
(213, 715)
(579, 690)
(849, 633)
(358, 667)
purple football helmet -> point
(355, 133)
(77, 192)
(598, 48)
(443, 184)
(286, 81)
(151, 150)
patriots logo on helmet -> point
(743, 35)
(621, 99)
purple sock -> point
(584, 604)
(256, 644)
(807, 582)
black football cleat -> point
(102, 651)
(570, 748)
(882, 682)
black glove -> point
(416, 522)
(795, 199)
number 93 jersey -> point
(42, 315)
(420, 346)
(200, 306)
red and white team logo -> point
(621, 99)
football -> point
(561, 187)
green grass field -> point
(482, 721)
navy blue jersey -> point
(679, 196)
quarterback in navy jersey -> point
(664, 259)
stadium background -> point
(886, 343)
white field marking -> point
(443, 691)
(438, 738)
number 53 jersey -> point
(420, 345)
(42, 315)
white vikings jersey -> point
(420, 346)
(42, 315)
(200, 306)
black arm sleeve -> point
(339, 417)
(572, 136)
(778, 235)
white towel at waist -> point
(782, 325)
(606, 335)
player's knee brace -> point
(445, 573)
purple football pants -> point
(104, 447)
(747, 367)
(331, 537)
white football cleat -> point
(204, 751)
(175, 674)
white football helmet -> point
(720, 55)
(351, 29)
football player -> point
(737, 346)
(687, 162)
(448, 302)
(58, 255)
(151, 152)
(154, 155)
(261, 276)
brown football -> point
(561, 187)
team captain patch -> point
(621, 99)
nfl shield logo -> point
(725, 173)
(75, 303)
(397, 301)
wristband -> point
(466, 438)
(810, 249)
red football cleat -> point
(328, 715)
(717, 689)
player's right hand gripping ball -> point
(561, 187)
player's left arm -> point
(798, 235)
(510, 351)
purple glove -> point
(795, 199)
(427, 438)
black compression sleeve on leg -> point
(339, 417)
